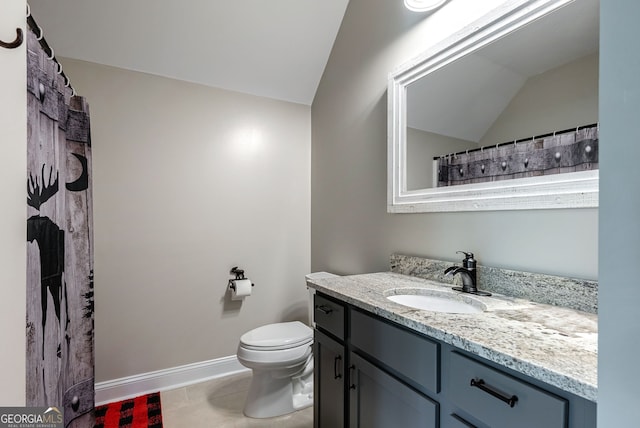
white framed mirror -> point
(467, 93)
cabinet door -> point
(328, 382)
(378, 400)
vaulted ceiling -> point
(276, 48)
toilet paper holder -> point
(239, 273)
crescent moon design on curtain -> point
(82, 183)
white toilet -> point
(281, 357)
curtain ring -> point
(53, 54)
(41, 35)
(28, 10)
(73, 91)
(59, 67)
(67, 82)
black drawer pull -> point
(324, 309)
(511, 401)
(353, 385)
(336, 365)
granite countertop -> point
(553, 344)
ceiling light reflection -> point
(423, 5)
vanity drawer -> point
(487, 400)
(409, 355)
(328, 315)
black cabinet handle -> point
(324, 309)
(336, 365)
(353, 385)
(511, 401)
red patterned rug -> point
(140, 412)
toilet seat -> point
(279, 336)
(274, 359)
(282, 345)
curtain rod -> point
(549, 134)
(37, 30)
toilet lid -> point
(277, 336)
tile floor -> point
(218, 403)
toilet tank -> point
(312, 292)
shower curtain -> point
(59, 328)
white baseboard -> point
(162, 380)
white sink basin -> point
(435, 300)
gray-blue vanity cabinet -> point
(396, 374)
(379, 400)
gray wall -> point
(190, 181)
(619, 326)
(351, 230)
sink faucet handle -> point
(468, 262)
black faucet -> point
(468, 274)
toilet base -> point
(271, 395)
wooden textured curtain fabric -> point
(60, 362)
(555, 154)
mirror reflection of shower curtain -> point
(60, 361)
(553, 154)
